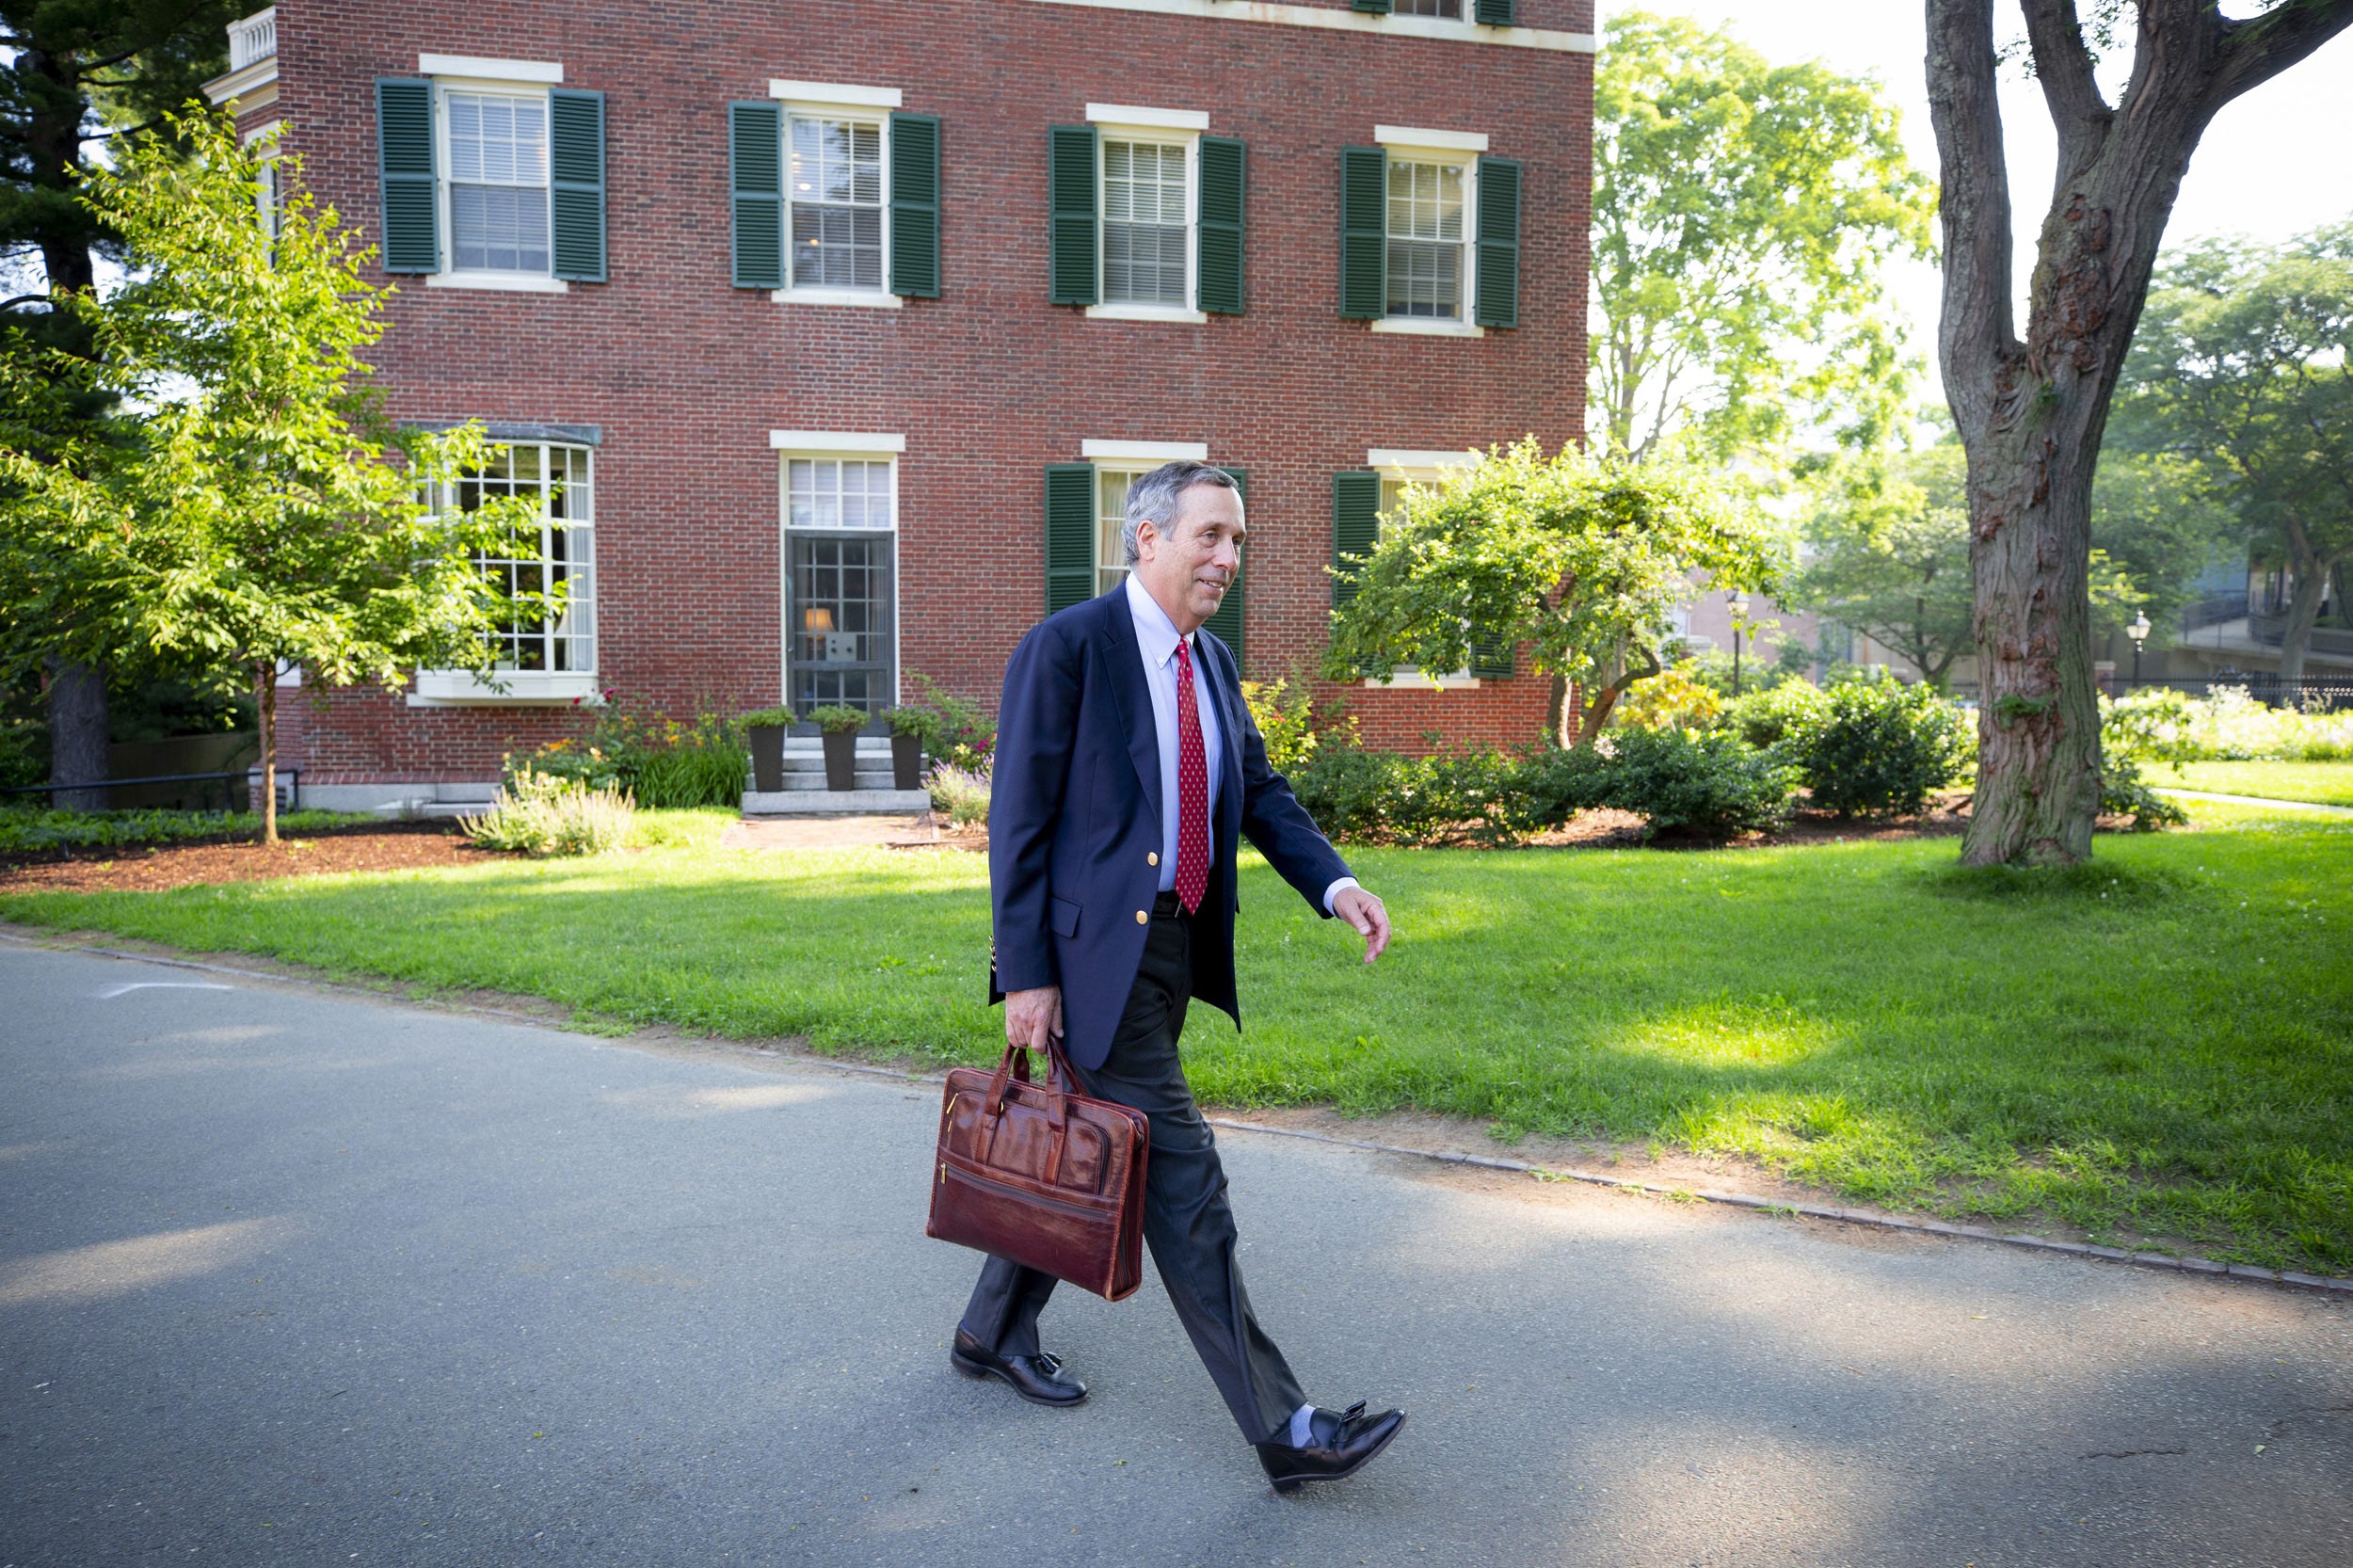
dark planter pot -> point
(906, 762)
(842, 761)
(767, 757)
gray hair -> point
(1154, 498)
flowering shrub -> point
(1670, 700)
(962, 793)
(541, 814)
(2225, 726)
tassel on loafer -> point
(1038, 1379)
(1343, 1445)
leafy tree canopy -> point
(269, 512)
(1579, 557)
(2242, 374)
(1742, 215)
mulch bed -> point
(150, 868)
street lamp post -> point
(1740, 603)
(2138, 631)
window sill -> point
(525, 689)
(501, 282)
(1406, 678)
(1420, 326)
(1146, 312)
(872, 299)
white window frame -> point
(1420, 467)
(529, 688)
(503, 78)
(1167, 127)
(1462, 148)
(868, 105)
(868, 447)
(268, 192)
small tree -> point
(267, 512)
(1582, 558)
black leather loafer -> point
(1038, 1379)
(1343, 1445)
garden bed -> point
(377, 847)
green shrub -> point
(966, 736)
(2160, 725)
(1700, 786)
(774, 718)
(1877, 747)
(22, 829)
(540, 813)
(1766, 718)
(2124, 793)
(697, 773)
(1285, 718)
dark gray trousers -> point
(1186, 1219)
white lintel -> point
(1400, 457)
(836, 92)
(1146, 452)
(1415, 135)
(834, 440)
(1131, 114)
(489, 70)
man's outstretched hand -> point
(1365, 912)
(1031, 1016)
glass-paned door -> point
(841, 614)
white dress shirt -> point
(1157, 637)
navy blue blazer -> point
(1075, 811)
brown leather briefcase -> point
(1042, 1176)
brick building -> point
(840, 327)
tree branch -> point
(2258, 48)
(1976, 331)
(2063, 65)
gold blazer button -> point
(1153, 859)
(1142, 919)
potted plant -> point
(841, 727)
(912, 733)
(765, 729)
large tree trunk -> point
(2311, 586)
(2031, 413)
(77, 734)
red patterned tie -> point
(1193, 789)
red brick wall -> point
(988, 383)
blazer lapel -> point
(1125, 658)
(1226, 697)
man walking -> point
(1126, 766)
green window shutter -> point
(915, 205)
(1224, 185)
(576, 183)
(1072, 237)
(404, 147)
(1355, 526)
(756, 191)
(1378, 8)
(1493, 660)
(1494, 14)
(1069, 535)
(1364, 234)
(1499, 259)
(1226, 623)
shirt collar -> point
(1154, 632)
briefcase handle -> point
(1016, 1065)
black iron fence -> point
(290, 786)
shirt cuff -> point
(1334, 892)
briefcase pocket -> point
(1063, 916)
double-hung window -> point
(836, 187)
(840, 496)
(493, 175)
(1147, 221)
(1146, 215)
(536, 657)
(1429, 233)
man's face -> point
(1188, 572)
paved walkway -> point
(819, 832)
(295, 1277)
(2257, 800)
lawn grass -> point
(2329, 783)
(2160, 1042)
